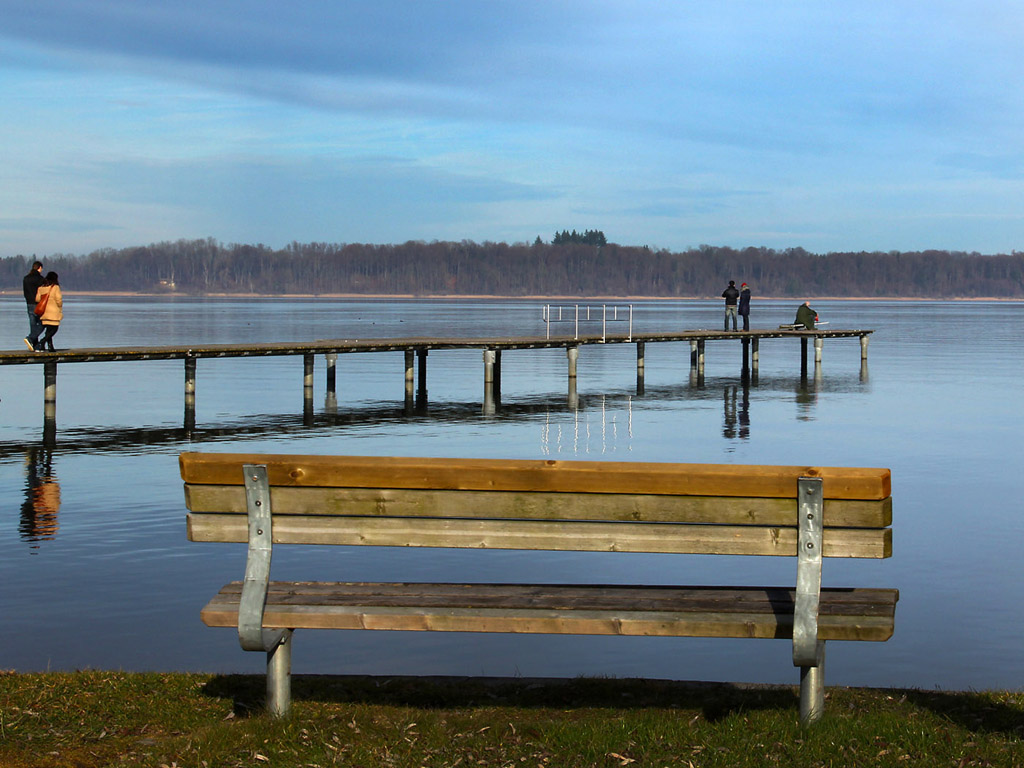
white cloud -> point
(680, 123)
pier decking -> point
(417, 348)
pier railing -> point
(588, 313)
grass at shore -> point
(86, 719)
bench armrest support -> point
(251, 634)
(810, 511)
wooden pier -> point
(416, 351)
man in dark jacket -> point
(731, 296)
(806, 316)
(30, 285)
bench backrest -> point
(539, 504)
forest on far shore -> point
(566, 268)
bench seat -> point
(592, 609)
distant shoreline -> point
(496, 297)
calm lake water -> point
(96, 570)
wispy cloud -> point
(398, 119)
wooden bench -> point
(802, 512)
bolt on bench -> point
(803, 512)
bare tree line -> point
(198, 267)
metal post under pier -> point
(190, 392)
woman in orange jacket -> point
(53, 313)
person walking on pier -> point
(53, 312)
(806, 316)
(30, 285)
(744, 305)
(731, 295)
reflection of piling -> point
(745, 410)
(729, 404)
(573, 399)
(863, 371)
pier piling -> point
(331, 359)
(573, 353)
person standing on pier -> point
(744, 305)
(53, 313)
(731, 296)
(31, 284)
(806, 316)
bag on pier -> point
(41, 304)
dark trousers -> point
(46, 340)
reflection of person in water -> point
(42, 497)
(729, 430)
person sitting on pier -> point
(806, 316)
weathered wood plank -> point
(391, 502)
(757, 617)
(862, 602)
(539, 535)
(536, 475)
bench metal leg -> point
(279, 677)
(812, 689)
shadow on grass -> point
(714, 700)
(977, 712)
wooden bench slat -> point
(392, 502)
(755, 612)
(862, 601)
(519, 534)
(536, 475)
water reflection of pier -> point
(804, 389)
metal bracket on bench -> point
(251, 634)
(810, 511)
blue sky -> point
(894, 125)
